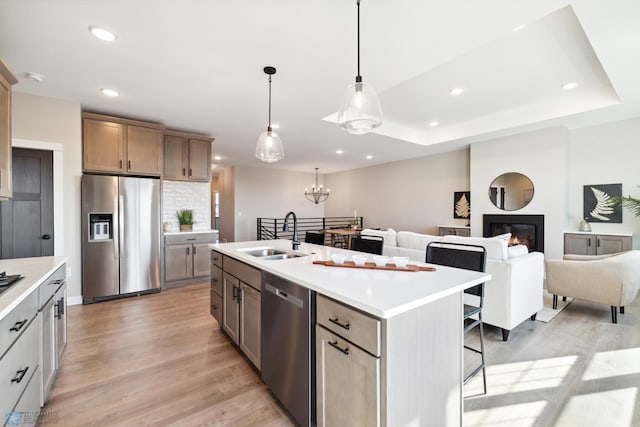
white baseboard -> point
(74, 300)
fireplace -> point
(525, 230)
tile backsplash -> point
(178, 195)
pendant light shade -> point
(360, 111)
(269, 148)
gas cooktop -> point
(7, 280)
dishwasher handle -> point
(291, 299)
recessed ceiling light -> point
(569, 86)
(339, 151)
(35, 77)
(519, 27)
(110, 92)
(275, 126)
(218, 158)
(433, 124)
(368, 157)
(456, 91)
(102, 34)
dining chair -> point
(369, 244)
(315, 237)
(468, 257)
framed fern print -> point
(597, 205)
(462, 204)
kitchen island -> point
(386, 346)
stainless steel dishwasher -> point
(288, 315)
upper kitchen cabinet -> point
(122, 146)
(187, 156)
(6, 80)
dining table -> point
(342, 236)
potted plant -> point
(185, 218)
(628, 202)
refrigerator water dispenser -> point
(100, 226)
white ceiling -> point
(197, 65)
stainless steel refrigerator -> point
(120, 236)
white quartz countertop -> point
(381, 293)
(34, 270)
(168, 233)
(604, 233)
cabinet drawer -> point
(216, 306)
(16, 322)
(242, 271)
(349, 323)
(216, 280)
(216, 258)
(179, 239)
(17, 367)
(51, 285)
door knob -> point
(46, 237)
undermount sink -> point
(270, 253)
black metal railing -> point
(271, 228)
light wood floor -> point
(156, 360)
(161, 360)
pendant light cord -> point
(269, 126)
(358, 77)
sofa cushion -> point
(517, 250)
(411, 240)
(496, 248)
(389, 235)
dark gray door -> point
(27, 220)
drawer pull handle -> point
(19, 375)
(18, 325)
(335, 345)
(215, 307)
(336, 321)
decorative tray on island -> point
(373, 266)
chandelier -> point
(317, 193)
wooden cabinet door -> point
(201, 260)
(144, 151)
(230, 307)
(612, 244)
(346, 377)
(199, 160)
(175, 157)
(250, 300)
(579, 244)
(178, 264)
(103, 146)
(5, 138)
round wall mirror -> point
(511, 191)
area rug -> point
(548, 313)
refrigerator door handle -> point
(116, 228)
(121, 220)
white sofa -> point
(514, 292)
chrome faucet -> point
(295, 243)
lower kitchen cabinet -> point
(187, 257)
(345, 375)
(216, 288)
(241, 304)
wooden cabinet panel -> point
(178, 262)
(216, 279)
(103, 146)
(454, 231)
(199, 160)
(176, 151)
(596, 244)
(201, 260)
(346, 376)
(250, 302)
(6, 80)
(144, 150)
(216, 307)
(230, 307)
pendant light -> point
(269, 148)
(360, 111)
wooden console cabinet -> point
(121, 146)
(586, 243)
(449, 230)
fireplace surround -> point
(524, 229)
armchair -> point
(613, 280)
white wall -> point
(605, 154)
(56, 121)
(543, 157)
(177, 195)
(414, 195)
(270, 193)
